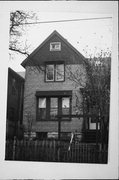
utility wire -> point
(59, 21)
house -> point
(15, 93)
(55, 75)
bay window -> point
(49, 107)
(53, 107)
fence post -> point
(59, 137)
(59, 127)
(97, 139)
(14, 148)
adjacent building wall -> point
(14, 104)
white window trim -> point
(53, 49)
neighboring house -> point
(55, 73)
(14, 125)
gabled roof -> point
(15, 74)
(22, 74)
(45, 41)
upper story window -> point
(55, 46)
(50, 72)
(59, 72)
(54, 72)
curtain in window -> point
(42, 108)
(50, 72)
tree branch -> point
(19, 51)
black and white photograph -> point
(59, 85)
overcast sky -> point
(86, 36)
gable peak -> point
(55, 33)
(46, 40)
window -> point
(92, 125)
(50, 72)
(54, 72)
(55, 46)
(65, 105)
(50, 107)
(59, 72)
(42, 108)
(53, 107)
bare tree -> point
(18, 19)
(29, 124)
(96, 92)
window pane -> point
(55, 46)
(65, 106)
(42, 108)
(42, 103)
(42, 113)
(53, 107)
(59, 72)
(50, 72)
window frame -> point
(46, 73)
(41, 108)
(54, 73)
(54, 43)
(48, 108)
(65, 105)
(55, 76)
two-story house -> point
(55, 73)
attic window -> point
(55, 46)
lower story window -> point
(65, 106)
(42, 108)
(49, 107)
(53, 107)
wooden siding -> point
(42, 54)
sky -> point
(89, 36)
